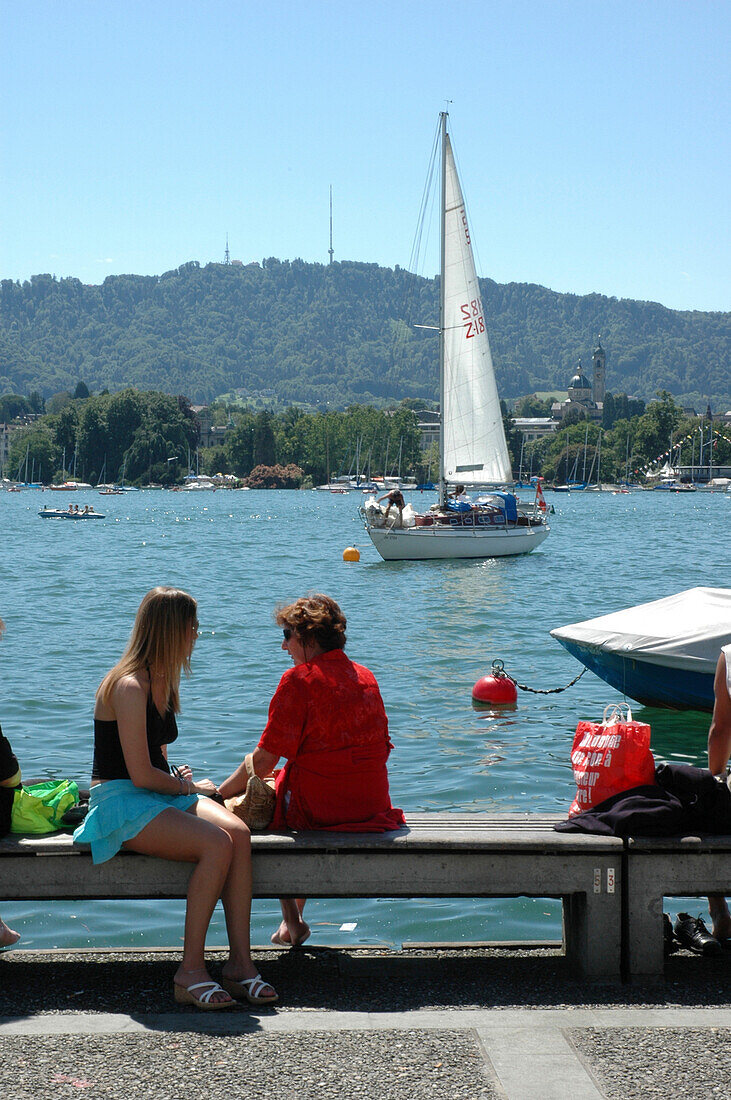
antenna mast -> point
(330, 249)
(227, 254)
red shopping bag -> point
(609, 757)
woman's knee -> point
(240, 835)
(218, 846)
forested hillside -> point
(334, 335)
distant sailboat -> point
(472, 446)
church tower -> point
(599, 372)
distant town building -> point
(5, 431)
(429, 428)
(598, 373)
(585, 395)
(212, 435)
(535, 427)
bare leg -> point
(236, 893)
(7, 935)
(720, 917)
(293, 931)
(183, 836)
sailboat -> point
(472, 448)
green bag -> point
(40, 807)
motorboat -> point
(66, 513)
(662, 653)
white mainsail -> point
(475, 450)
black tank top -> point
(108, 756)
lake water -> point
(428, 630)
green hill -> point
(335, 335)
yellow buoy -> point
(351, 553)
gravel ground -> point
(430, 1065)
(352, 980)
(629, 1063)
(666, 1062)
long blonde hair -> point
(160, 641)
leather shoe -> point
(692, 933)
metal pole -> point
(442, 308)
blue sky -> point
(592, 137)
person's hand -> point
(185, 772)
(206, 787)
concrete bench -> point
(437, 855)
(659, 867)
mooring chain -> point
(498, 669)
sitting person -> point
(719, 751)
(394, 497)
(458, 493)
(327, 720)
(136, 803)
(9, 781)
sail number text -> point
(474, 321)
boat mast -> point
(442, 307)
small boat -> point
(662, 653)
(473, 451)
(66, 513)
(671, 485)
(198, 483)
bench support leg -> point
(592, 933)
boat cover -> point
(684, 631)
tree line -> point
(151, 437)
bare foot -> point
(188, 978)
(291, 937)
(722, 927)
(720, 917)
(8, 936)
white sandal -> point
(184, 995)
(249, 989)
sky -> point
(591, 136)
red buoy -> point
(495, 690)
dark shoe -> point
(670, 944)
(692, 933)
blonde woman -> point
(136, 803)
(10, 780)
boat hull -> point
(653, 685)
(436, 543)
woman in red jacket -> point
(327, 720)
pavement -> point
(473, 1022)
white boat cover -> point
(684, 631)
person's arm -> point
(285, 724)
(719, 735)
(129, 702)
(264, 763)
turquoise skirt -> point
(118, 811)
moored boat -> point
(661, 653)
(473, 451)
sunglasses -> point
(287, 633)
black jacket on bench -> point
(684, 800)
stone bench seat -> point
(659, 867)
(436, 855)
